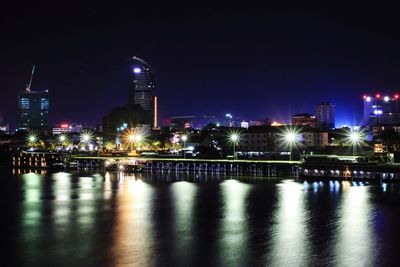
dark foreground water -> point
(156, 220)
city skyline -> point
(260, 65)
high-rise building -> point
(33, 110)
(141, 87)
(325, 115)
(381, 109)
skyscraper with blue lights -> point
(33, 110)
(381, 109)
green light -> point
(32, 138)
(86, 136)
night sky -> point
(253, 61)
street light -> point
(355, 137)
(32, 139)
(290, 138)
(184, 138)
(86, 137)
(138, 139)
(62, 138)
(234, 138)
(133, 137)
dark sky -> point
(254, 61)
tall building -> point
(325, 115)
(141, 88)
(381, 109)
(33, 110)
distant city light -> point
(137, 70)
(386, 99)
(275, 123)
(378, 112)
(368, 98)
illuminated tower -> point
(142, 84)
(141, 87)
(33, 110)
(381, 109)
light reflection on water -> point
(146, 220)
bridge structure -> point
(196, 165)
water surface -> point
(114, 219)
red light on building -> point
(365, 96)
(396, 96)
(64, 126)
(378, 95)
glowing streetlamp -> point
(62, 138)
(289, 138)
(86, 137)
(32, 138)
(184, 139)
(133, 137)
(355, 137)
(234, 138)
(138, 139)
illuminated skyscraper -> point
(33, 110)
(142, 84)
(141, 88)
(381, 109)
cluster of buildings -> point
(317, 131)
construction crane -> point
(28, 86)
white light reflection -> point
(355, 240)
(132, 241)
(234, 224)
(62, 204)
(289, 237)
(32, 204)
(184, 199)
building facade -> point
(304, 119)
(325, 115)
(142, 87)
(33, 110)
(381, 109)
(315, 139)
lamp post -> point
(86, 137)
(184, 138)
(62, 138)
(138, 139)
(32, 139)
(355, 138)
(234, 138)
(290, 138)
(131, 140)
